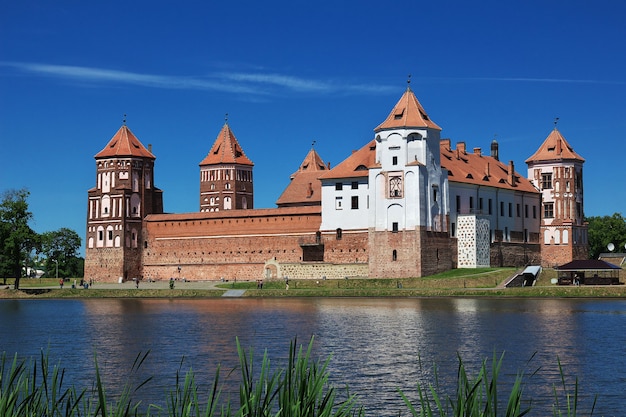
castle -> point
(407, 204)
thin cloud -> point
(537, 80)
(260, 84)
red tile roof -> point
(226, 150)
(555, 148)
(124, 143)
(356, 165)
(305, 187)
(476, 168)
(408, 112)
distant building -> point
(404, 205)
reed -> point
(299, 388)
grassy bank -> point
(486, 282)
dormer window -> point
(399, 114)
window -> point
(490, 208)
(546, 181)
(526, 210)
(458, 203)
(534, 212)
(355, 185)
(339, 234)
(502, 208)
(100, 235)
(395, 187)
(338, 203)
(394, 255)
(394, 227)
(471, 202)
(435, 194)
(355, 202)
(518, 210)
(453, 229)
(110, 234)
(510, 209)
(338, 186)
(394, 160)
(548, 210)
(480, 204)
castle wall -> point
(515, 254)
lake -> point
(377, 344)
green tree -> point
(17, 239)
(62, 246)
(603, 230)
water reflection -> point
(377, 345)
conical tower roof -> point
(226, 150)
(408, 112)
(305, 188)
(124, 143)
(555, 148)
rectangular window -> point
(338, 203)
(471, 202)
(510, 209)
(490, 207)
(501, 208)
(338, 186)
(453, 229)
(458, 203)
(355, 185)
(394, 160)
(394, 227)
(100, 235)
(526, 210)
(518, 210)
(110, 234)
(480, 204)
(546, 181)
(534, 212)
(548, 210)
(355, 202)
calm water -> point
(377, 345)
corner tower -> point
(124, 194)
(408, 194)
(557, 171)
(226, 175)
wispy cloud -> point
(537, 80)
(260, 84)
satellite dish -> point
(610, 247)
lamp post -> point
(57, 267)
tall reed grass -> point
(299, 388)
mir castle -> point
(406, 204)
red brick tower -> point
(557, 171)
(226, 175)
(124, 194)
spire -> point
(124, 143)
(408, 112)
(226, 149)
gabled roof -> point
(124, 143)
(305, 187)
(226, 150)
(356, 165)
(408, 112)
(555, 148)
(476, 168)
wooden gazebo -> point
(588, 272)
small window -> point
(110, 234)
(458, 203)
(339, 234)
(546, 181)
(526, 210)
(548, 210)
(339, 203)
(394, 227)
(355, 202)
(490, 206)
(338, 186)
(435, 195)
(510, 209)
(100, 235)
(145, 244)
(394, 160)
(394, 255)
(534, 212)
(355, 185)
(502, 208)
(480, 204)
(518, 210)
(471, 203)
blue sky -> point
(292, 72)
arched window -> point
(394, 255)
(339, 233)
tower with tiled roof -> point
(226, 175)
(557, 171)
(305, 188)
(124, 194)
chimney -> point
(460, 146)
(487, 170)
(511, 176)
(329, 165)
(445, 143)
(558, 147)
(150, 147)
(494, 150)
(477, 151)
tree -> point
(17, 239)
(61, 246)
(603, 230)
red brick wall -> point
(515, 254)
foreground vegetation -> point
(299, 388)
